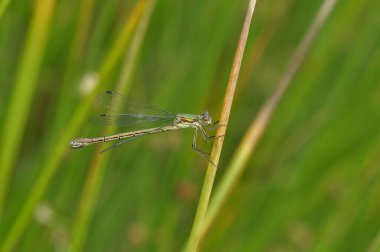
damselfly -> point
(134, 113)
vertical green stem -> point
(74, 61)
(22, 94)
(3, 7)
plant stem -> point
(3, 7)
(194, 239)
(22, 94)
(249, 142)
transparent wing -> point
(121, 111)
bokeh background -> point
(312, 184)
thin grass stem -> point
(3, 7)
(74, 62)
(121, 42)
(195, 235)
(22, 94)
(259, 124)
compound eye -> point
(205, 115)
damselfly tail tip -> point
(78, 143)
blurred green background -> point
(312, 185)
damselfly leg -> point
(202, 153)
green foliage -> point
(311, 185)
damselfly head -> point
(206, 119)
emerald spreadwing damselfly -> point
(136, 114)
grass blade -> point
(22, 94)
(3, 7)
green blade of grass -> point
(3, 7)
(73, 62)
(22, 94)
(195, 235)
(99, 162)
